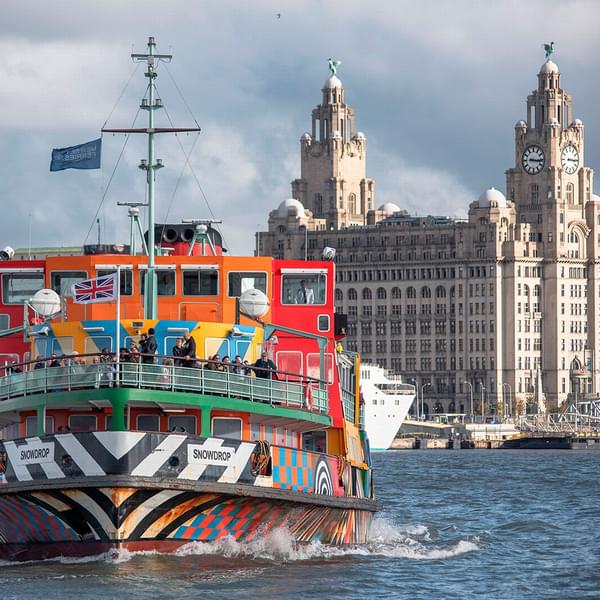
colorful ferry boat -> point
(102, 449)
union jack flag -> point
(101, 289)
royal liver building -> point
(502, 307)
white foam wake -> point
(414, 542)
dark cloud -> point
(437, 87)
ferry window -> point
(97, 343)
(126, 283)
(165, 282)
(240, 282)
(304, 288)
(323, 323)
(314, 441)
(182, 423)
(201, 282)
(313, 368)
(63, 346)
(31, 426)
(148, 423)
(227, 428)
(255, 431)
(4, 322)
(268, 434)
(62, 281)
(19, 287)
(82, 422)
(289, 361)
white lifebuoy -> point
(308, 397)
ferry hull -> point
(85, 493)
(88, 521)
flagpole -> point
(118, 321)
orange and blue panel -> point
(293, 470)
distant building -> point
(502, 307)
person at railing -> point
(238, 366)
(14, 367)
(214, 363)
(265, 368)
(166, 372)
(134, 353)
(54, 362)
(148, 347)
(40, 363)
(189, 349)
(107, 368)
(226, 364)
(178, 352)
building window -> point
(570, 193)
(535, 193)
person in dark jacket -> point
(265, 368)
(178, 352)
(189, 350)
(151, 346)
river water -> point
(456, 524)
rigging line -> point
(187, 159)
(182, 96)
(195, 178)
(110, 179)
(137, 66)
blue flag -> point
(84, 156)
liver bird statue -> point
(549, 49)
(333, 65)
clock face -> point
(569, 159)
(533, 160)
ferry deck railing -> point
(288, 389)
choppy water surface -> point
(456, 524)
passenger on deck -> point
(54, 362)
(178, 352)
(148, 354)
(226, 364)
(265, 368)
(238, 366)
(14, 367)
(40, 363)
(189, 350)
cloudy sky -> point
(437, 87)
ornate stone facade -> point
(499, 310)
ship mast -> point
(150, 165)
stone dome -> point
(492, 197)
(360, 135)
(290, 208)
(578, 123)
(306, 137)
(595, 198)
(389, 208)
(332, 82)
(549, 67)
(521, 123)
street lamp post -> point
(423, 400)
(482, 402)
(471, 390)
(416, 401)
(507, 411)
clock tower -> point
(549, 183)
(551, 262)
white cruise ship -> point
(386, 403)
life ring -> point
(308, 397)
